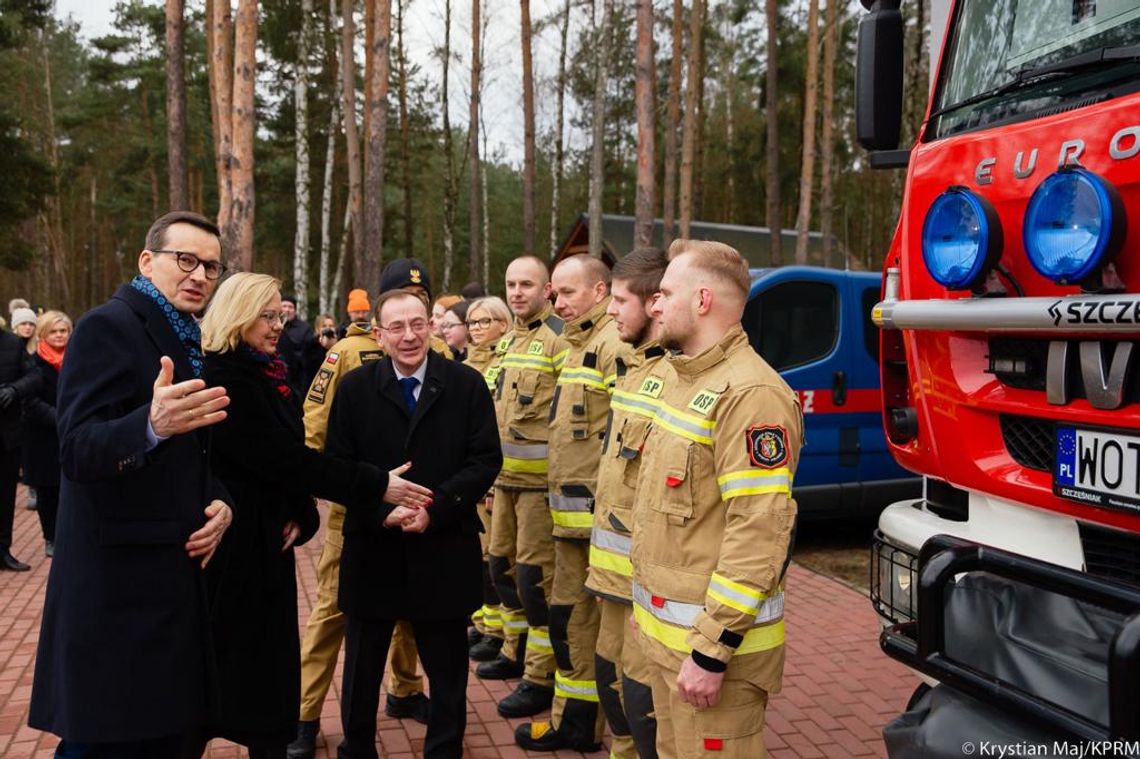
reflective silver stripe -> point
(673, 612)
(569, 502)
(611, 541)
(747, 601)
(531, 452)
(539, 639)
(763, 481)
(771, 610)
(582, 689)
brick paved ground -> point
(839, 689)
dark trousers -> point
(9, 471)
(47, 506)
(170, 747)
(443, 650)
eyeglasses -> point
(480, 323)
(273, 317)
(188, 262)
(419, 326)
(450, 325)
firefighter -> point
(325, 630)
(577, 426)
(521, 556)
(710, 545)
(622, 672)
(488, 319)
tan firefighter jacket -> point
(578, 419)
(640, 381)
(485, 360)
(710, 545)
(532, 357)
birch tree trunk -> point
(692, 106)
(176, 105)
(220, 41)
(826, 142)
(672, 121)
(240, 235)
(302, 177)
(559, 145)
(807, 163)
(325, 282)
(352, 142)
(598, 133)
(451, 189)
(405, 148)
(486, 211)
(646, 128)
(528, 177)
(473, 215)
(772, 116)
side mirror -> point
(879, 76)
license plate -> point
(1096, 467)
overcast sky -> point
(502, 104)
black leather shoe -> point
(541, 736)
(499, 668)
(486, 649)
(13, 564)
(473, 637)
(417, 706)
(527, 700)
(305, 744)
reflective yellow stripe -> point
(491, 616)
(755, 482)
(539, 640)
(755, 640)
(686, 425)
(581, 375)
(524, 465)
(560, 359)
(526, 361)
(731, 593)
(583, 690)
(634, 403)
(514, 622)
(611, 561)
(572, 518)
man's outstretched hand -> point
(185, 406)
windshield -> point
(998, 45)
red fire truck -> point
(1009, 318)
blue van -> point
(813, 326)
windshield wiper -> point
(1026, 75)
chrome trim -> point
(1073, 314)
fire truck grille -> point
(1029, 441)
(1111, 553)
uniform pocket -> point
(632, 437)
(676, 502)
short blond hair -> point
(494, 306)
(721, 261)
(236, 306)
(44, 324)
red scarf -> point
(53, 356)
(271, 367)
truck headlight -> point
(961, 239)
(1073, 225)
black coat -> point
(41, 441)
(124, 652)
(259, 454)
(302, 354)
(453, 444)
(16, 369)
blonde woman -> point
(487, 320)
(41, 441)
(259, 454)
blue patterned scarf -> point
(183, 324)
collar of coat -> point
(432, 387)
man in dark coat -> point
(412, 411)
(124, 666)
(298, 348)
(18, 382)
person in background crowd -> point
(18, 382)
(24, 322)
(125, 664)
(17, 303)
(438, 309)
(473, 291)
(41, 446)
(298, 347)
(487, 321)
(359, 310)
(409, 559)
(454, 329)
(259, 454)
(324, 327)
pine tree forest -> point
(328, 137)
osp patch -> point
(767, 446)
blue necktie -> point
(408, 386)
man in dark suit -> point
(432, 421)
(18, 382)
(124, 662)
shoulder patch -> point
(504, 344)
(320, 386)
(366, 356)
(652, 386)
(555, 323)
(535, 348)
(332, 358)
(767, 446)
(704, 401)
